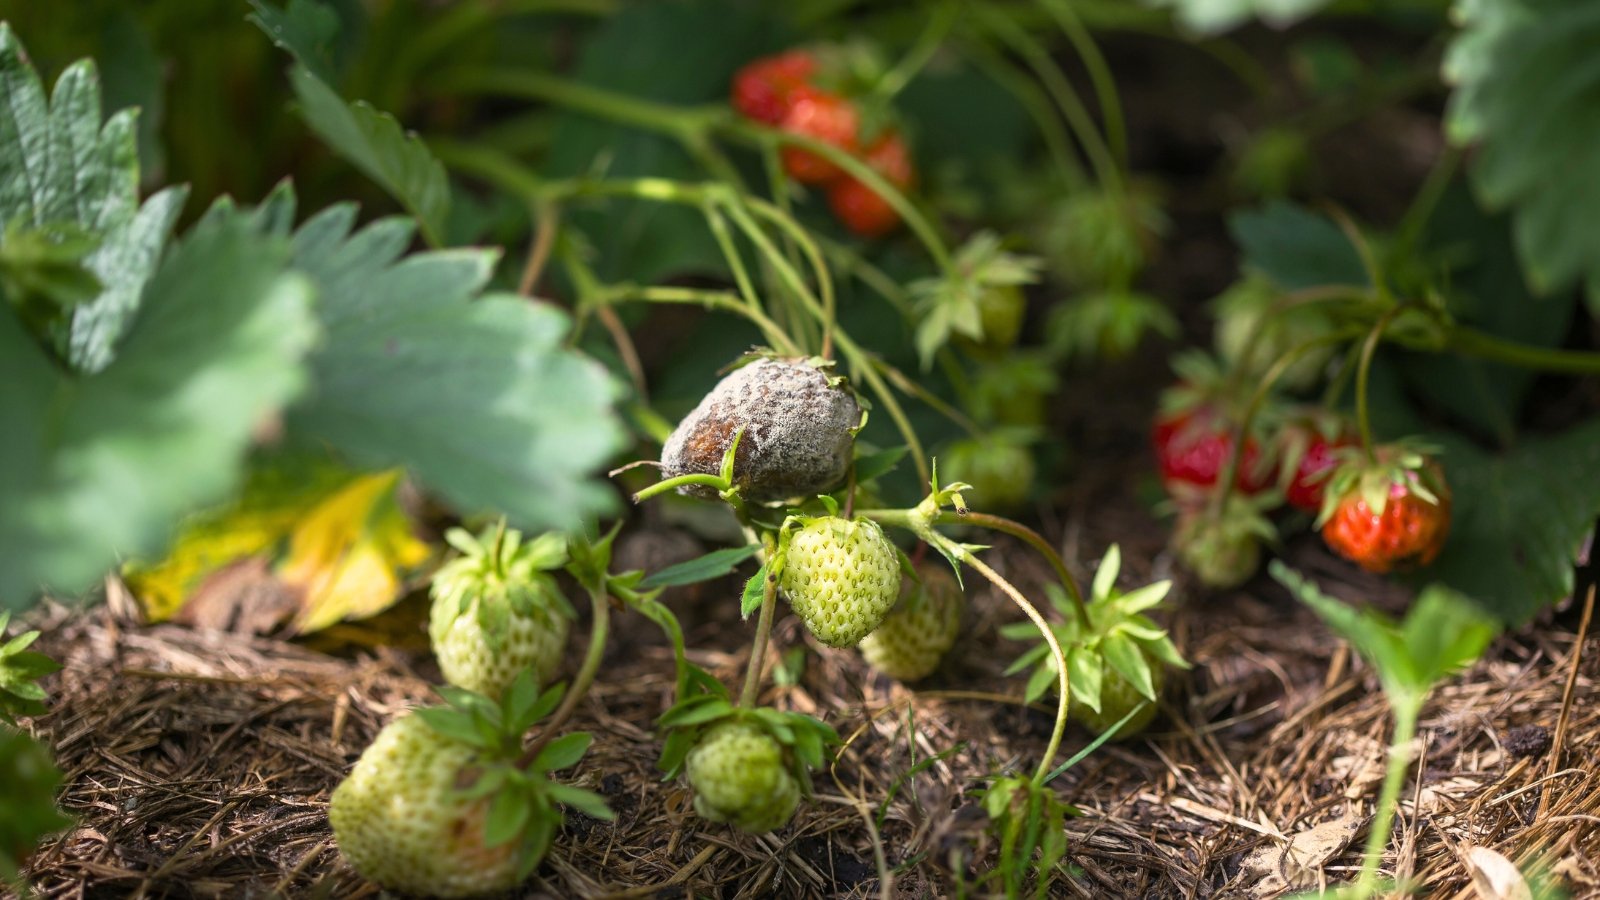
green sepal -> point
(755, 591)
(1086, 674)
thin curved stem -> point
(758, 646)
(1405, 728)
(599, 628)
(1472, 342)
(714, 482)
(1230, 468)
(1058, 143)
(1105, 86)
(895, 80)
(1364, 368)
(1033, 539)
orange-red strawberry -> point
(823, 116)
(764, 89)
(1388, 512)
(859, 207)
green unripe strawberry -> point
(1252, 331)
(402, 819)
(1224, 551)
(495, 613)
(999, 467)
(740, 777)
(1118, 697)
(921, 627)
(841, 577)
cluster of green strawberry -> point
(445, 802)
(808, 92)
(1381, 506)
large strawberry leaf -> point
(1519, 520)
(61, 169)
(1527, 94)
(97, 465)
(475, 395)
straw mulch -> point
(200, 763)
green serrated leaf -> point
(563, 752)
(712, 565)
(305, 28)
(375, 143)
(1444, 632)
(1526, 79)
(755, 591)
(105, 464)
(1519, 520)
(475, 395)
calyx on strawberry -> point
(798, 424)
(978, 303)
(1114, 661)
(1387, 511)
(1194, 433)
(1224, 550)
(840, 576)
(920, 628)
(1309, 444)
(496, 611)
(748, 767)
(437, 805)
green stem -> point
(1066, 99)
(715, 482)
(684, 123)
(1105, 86)
(1026, 92)
(1364, 368)
(1230, 469)
(1486, 346)
(1406, 712)
(758, 646)
(895, 80)
(598, 630)
(1426, 201)
(711, 300)
(1033, 539)
(761, 136)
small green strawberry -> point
(1115, 660)
(841, 577)
(443, 804)
(921, 627)
(403, 819)
(496, 612)
(999, 467)
(740, 777)
(1224, 551)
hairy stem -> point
(1368, 349)
(1406, 711)
(1033, 539)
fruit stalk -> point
(600, 608)
(1230, 468)
(1033, 539)
(1369, 348)
(758, 646)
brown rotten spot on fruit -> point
(799, 424)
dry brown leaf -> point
(1297, 865)
(1494, 877)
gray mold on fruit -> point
(797, 431)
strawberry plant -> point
(537, 327)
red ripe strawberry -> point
(1192, 447)
(826, 117)
(859, 207)
(1389, 512)
(764, 89)
(1311, 446)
